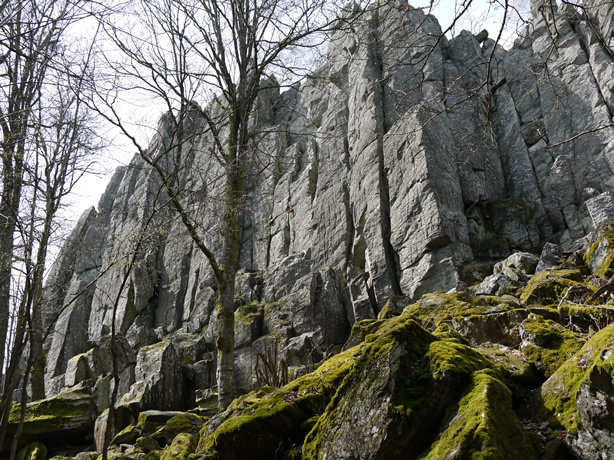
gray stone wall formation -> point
(405, 156)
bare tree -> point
(222, 50)
(30, 35)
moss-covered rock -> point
(433, 309)
(360, 330)
(519, 371)
(600, 254)
(180, 423)
(260, 423)
(483, 425)
(547, 287)
(127, 436)
(181, 447)
(384, 407)
(147, 444)
(64, 419)
(580, 396)
(547, 343)
(587, 317)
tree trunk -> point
(225, 342)
(8, 211)
(37, 356)
(226, 286)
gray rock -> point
(497, 284)
(522, 264)
(595, 401)
(66, 417)
(159, 380)
(550, 257)
(496, 327)
(601, 245)
(77, 370)
(601, 208)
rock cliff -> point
(408, 163)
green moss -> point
(361, 329)
(445, 332)
(447, 358)
(548, 287)
(483, 425)
(153, 455)
(411, 364)
(606, 235)
(433, 309)
(180, 423)
(181, 447)
(560, 390)
(52, 414)
(249, 313)
(260, 419)
(512, 364)
(606, 269)
(550, 343)
(184, 423)
(127, 436)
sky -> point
(483, 14)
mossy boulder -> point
(64, 419)
(360, 330)
(260, 423)
(433, 309)
(580, 396)
(547, 343)
(181, 447)
(180, 423)
(548, 287)
(600, 254)
(482, 425)
(384, 407)
(518, 370)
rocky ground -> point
(520, 365)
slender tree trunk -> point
(226, 286)
(7, 229)
(36, 333)
(225, 342)
(37, 380)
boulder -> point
(77, 370)
(580, 396)
(370, 416)
(548, 344)
(65, 419)
(518, 266)
(600, 254)
(550, 257)
(497, 284)
(159, 379)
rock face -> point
(379, 177)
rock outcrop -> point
(408, 163)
